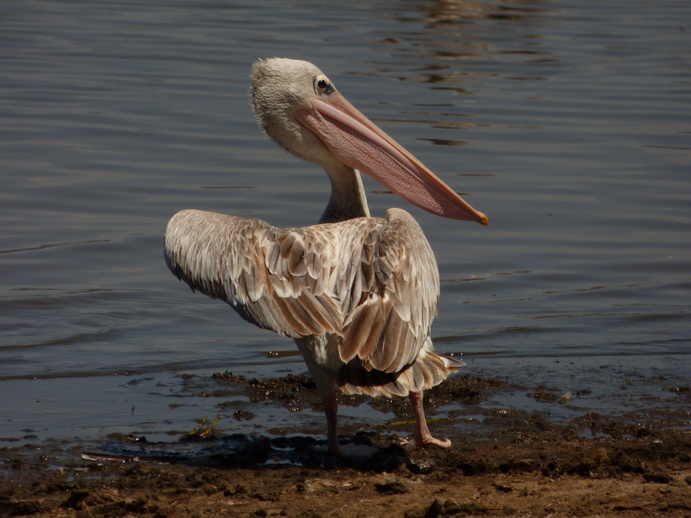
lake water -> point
(567, 122)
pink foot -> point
(424, 441)
(423, 437)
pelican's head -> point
(280, 89)
(300, 108)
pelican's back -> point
(373, 282)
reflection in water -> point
(472, 51)
(455, 33)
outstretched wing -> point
(372, 281)
(254, 267)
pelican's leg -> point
(330, 403)
(316, 350)
(422, 433)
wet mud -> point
(503, 462)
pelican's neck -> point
(347, 199)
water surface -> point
(567, 122)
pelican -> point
(357, 293)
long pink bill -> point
(359, 143)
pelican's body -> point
(356, 293)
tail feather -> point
(429, 370)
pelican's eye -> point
(322, 85)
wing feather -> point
(397, 284)
(372, 281)
(254, 267)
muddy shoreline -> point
(513, 463)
